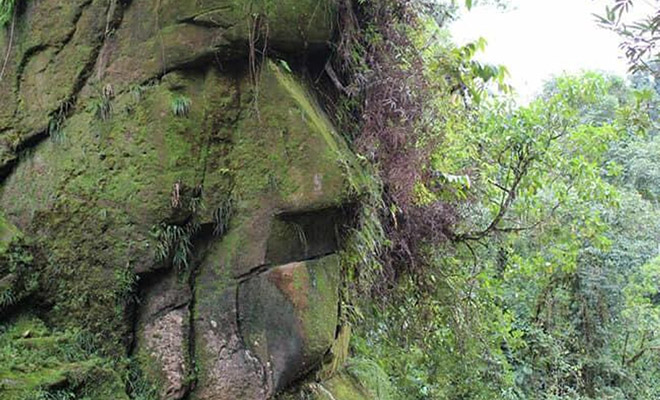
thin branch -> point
(508, 197)
(640, 353)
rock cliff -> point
(172, 201)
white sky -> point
(540, 38)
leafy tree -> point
(535, 296)
(640, 37)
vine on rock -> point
(389, 93)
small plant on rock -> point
(175, 239)
(181, 106)
(221, 217)
(57, 121)
(137, 91)
(175, 242)
(7, 298)
(101, 106)
(126, 285)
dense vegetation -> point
(532, 269)
(493, 250)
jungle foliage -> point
(521, 257)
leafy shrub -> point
(18, 276)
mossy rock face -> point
(51, 51)
(341, 386)
(56, 48)
(289, 187)
(163, 336)
(163, 203)
(94, 196)
(157, 36)
(288, 316)
(285, 160)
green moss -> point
(34, 360)
(371, 376)
(94, 197)
(341, 387)
(291, 141)
(287, 146)
(65, 37)
(8, 233)
(319, 318)
(338, 355)
(148, 376)
(285, 156)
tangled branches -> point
(392, 97)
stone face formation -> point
(177, 192)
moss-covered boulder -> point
(288, 316)
(341, 386)
(163, 335)
(169, 200)
(289, 186)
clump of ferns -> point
(101, 105)
(175, 243)
(57, 120)
(175, 239)
(137, 92)
(7, 298)
(81, 344)
(195, 204)
(139, 387)
(222, 215)
(59, 394)
(181, 105)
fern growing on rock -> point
(181, 106)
